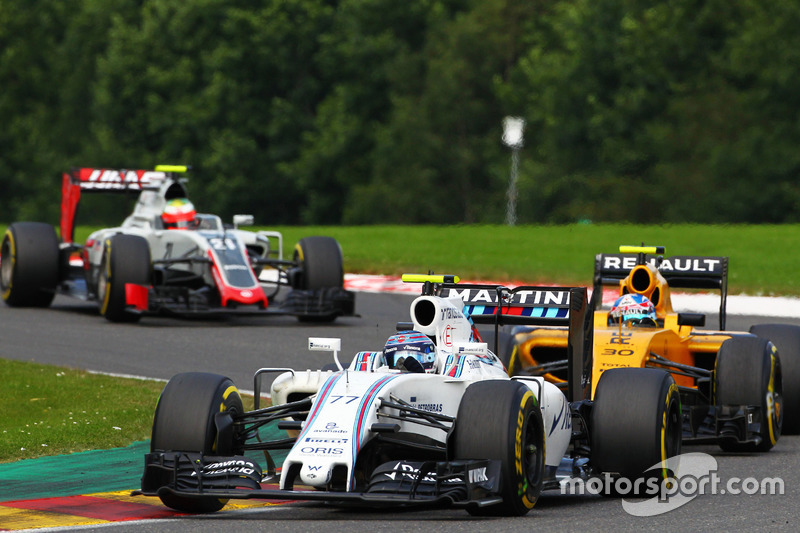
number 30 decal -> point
(612, 351)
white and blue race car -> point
(145, 267)
(432, 419)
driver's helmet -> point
(179, 213)
(410, 344)
(633, 309)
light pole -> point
(513, 128)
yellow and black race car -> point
(740, 389)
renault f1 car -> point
(387, 431)
(143, 266)
(739, 389)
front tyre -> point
(126, 259)
(748, 372)
(184, 422)
(320, 262)
(786, 338)
(636, 423)
(29, 264)
(500, 419)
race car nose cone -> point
(315, 475)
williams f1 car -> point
(144, 266)
(739, 389)
(433, 419)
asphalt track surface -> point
(71, 334)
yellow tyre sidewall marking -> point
(230, 390)
(523, 483)
(771, 414)
(673, 390)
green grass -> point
(49, 410)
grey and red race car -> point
(166, 258)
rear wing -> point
(106, 180)
(530, 305)
(680, 271)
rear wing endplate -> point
(680, 271)
(530, 305)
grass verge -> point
(50, 410)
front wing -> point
(320, 303)
(462, 483)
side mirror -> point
(242, 220)
(691, 319)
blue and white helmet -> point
(411, 344)
(633, 309)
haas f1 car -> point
(433, 419)
(739, 389)
(165, 258)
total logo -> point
(447, 335)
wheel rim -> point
(532, 453)
(102, 286)
(6, 265)
(674, 431)
(774, 402)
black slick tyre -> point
(184, 421)
(126, 259)
(500, 419)
(321, 264)
(636, 423)
(786, 338)
(29, 264)
(748, 372)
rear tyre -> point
(126, 259)
(321, 264)
(786, 338)
(636, 423)
(748, 372)
(321, 267)
(184, 422)
(500, 419)
(29, 264)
